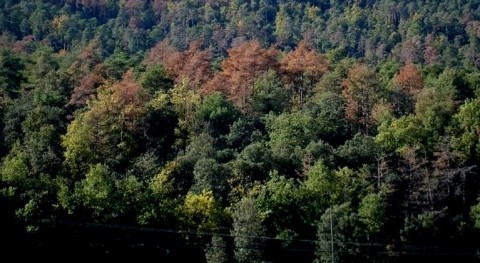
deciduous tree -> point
(302, 68)
(407, 83)
(247, 232)
(240, 71)
(362, 92)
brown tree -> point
(158, 53)
(86, 74)
(245, 63)
(87, 86)
(195, 66)
(192, 64)
(407, 83)
(411, 50)
(409, 78)
(302, 68)
(430, 54)
(128, 100)
(362, 92)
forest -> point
(241, 131)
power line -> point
(408, 250)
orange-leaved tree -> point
(192, 64)
(362, 92)
(302, 68)
(407, 83)
(244, 65)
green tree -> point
(156, 79)
(11, 75)
(33, 140)
(185, 101)
(284, 26)
(96, 193)
(278, 200)
(215, 115)
(201, 212)
(164, 198)
(289, 133)
(209, 175)
(333, 238)
(468, 121)
(328, 111)
(269, 94)
(252, 165)
(359, 151)
(247, 231)
(372, 213)
(475, 215)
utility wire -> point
(411, 250)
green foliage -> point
(360, 150)
(318, 151)
(96, 192)
(245, 131)
(400, 133)
(215, 114)
(253, 163)
(162, 184)
(210, 176)
(247, 231)
(435, 106)
(118, 63)
(110, 130)
(475, 215)
(76, 142)
(336, 225)
(468, 121)
(289, 133)
(328, 111)
(278, 200)
(156, 79)
(185, 101)
(269, 94)
(161, 123)
(14, 167)
(417, 227)
(222, 118)
(162, 203)
(201, 211)
(11, 74)
(371, 213)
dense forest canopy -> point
(242, 131)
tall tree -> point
(408, 82)
(240, 71)
(302, 68)
(193, 63)
(11, 75)
(269, 94)
(110, 129)
(247, 232)
(362, 92)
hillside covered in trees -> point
(241, 131)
